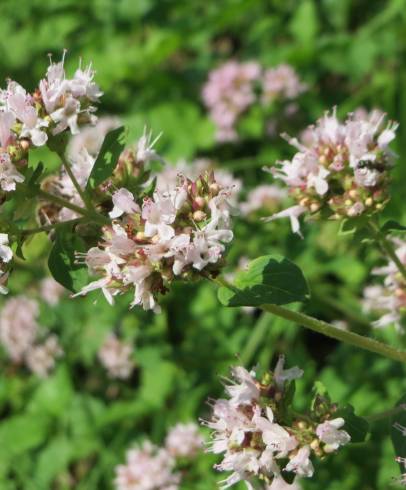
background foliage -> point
(152, 58)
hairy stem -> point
(82, 193)
(39, 229)
(386, 414)
(91, 215)
(387, 246)
(325, 328)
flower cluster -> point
(184, 440)
(27, 120)
(82, 154)
(260, 437)
(263, 198)
(149, 467)
(19, 333)
(281, 82)
(115, 356)
(168, 177)
(175, 233)
(388, 299)
(341, 169)
(51, 291)
(231, 90)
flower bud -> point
(199, 216)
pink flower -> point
(115, 356)
(184, 440)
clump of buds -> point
(261, 437)
(341, 169)
(180, 232)
(388, 299)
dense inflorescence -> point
(234, 87)
(20, 336)
(32, 119)
(149, 467)
(175, 233)
(341, 169)
(261, 438)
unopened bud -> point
(140, 235)
(199, 216)
(353, 194)
(314, 207)
(302, 425)
(304, 202)
(369, 201)
(323, 160)
(25, 145)
(200, 202)
(348, 202)
(315, 444)
(214, 188)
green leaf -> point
(20, 433)
(398, 438)
(392, 225)
(107, 158)
(357, 427)
(62, 262)
(269, 279)
(54, 394)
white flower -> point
(278, 483)
(282, 375)
(7, 120)
(329, 433)
(21, 105)
(6, 254)
(145, 148)
(244, 392)
(293, 214)
(123, 201)
(9, 175)
(277, 439)
(300, 463)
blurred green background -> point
(152, 58)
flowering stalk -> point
(92, 215)
(82, 193)
(47, 228)
(386, 414)
(325, 328)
